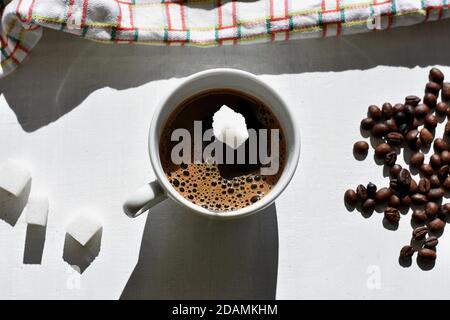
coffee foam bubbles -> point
(203, 185)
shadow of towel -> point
(63, 69)
(184, 256)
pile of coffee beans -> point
(410, 126)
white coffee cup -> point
(158, 190)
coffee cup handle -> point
(143, 199)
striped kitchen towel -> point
(200, 22)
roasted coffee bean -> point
(442, 215)
(440, 145)
(412, 139)
(413, 188)
(411, 135)
(435, 194)
(368, 205)
(431, 209)
(409, 112)
(412, 100)
(435, 161)
(419, 198)
(382, 150)
(395, 170)
(398, 107)
(371, 190)
(424, 185)
(432, 87)
(447, 128)
(404, 178)
(391, 125)
(386, 111)
(390, 158)
(367, 123)
(406, 252)
(421, 111)
(394, 201)
(430, 122)
(443, 171)
(403, 128)
(445, 157)
(444, 211)
(427, 254)
(426, 137)
(419, 215)
(446, 207)
(416, 123)
(394, 184)
(426, 170)
(416, 159)
(431, 242)
(445, 94)
(350, 197)
(430, 100)
(436, 75)
(383, 195)
(379, 130)
(392, 215)
(374, 112)
(419, 233)
(446, 184)
(441, 108)
(434, 181)
(406, 201)
(361, 191)
(436, 225)
(400, 118)
(361, 147)
(394, 138)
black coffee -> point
(221, 187)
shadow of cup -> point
(185, 256)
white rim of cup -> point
(285, 178)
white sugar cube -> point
(13, 177)
(83, 227)
(37, 210)
(229, 127)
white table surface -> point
(77, 114)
